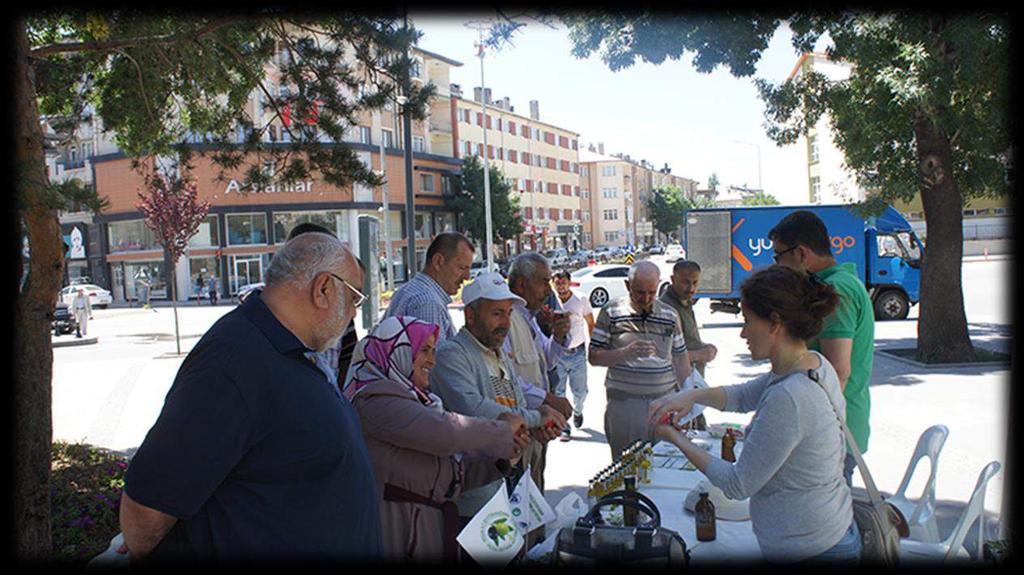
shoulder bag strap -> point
(869, 482)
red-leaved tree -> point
(174, 212)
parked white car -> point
(603, 283)
(480, 268)
(98, 297)
(674, 252)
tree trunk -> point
(942, 335)
(33, 428)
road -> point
(109, 394)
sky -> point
(698, 124)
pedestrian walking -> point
(213, 290)
(82, 309)
(256, 456)
(200, 284)
(801, 241)
(640, 341)
(572, 366)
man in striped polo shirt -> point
(640, 341)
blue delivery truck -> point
(729, 243)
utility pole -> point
(388, 263)
(480, 26)
(410, 205)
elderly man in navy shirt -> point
(256, 456)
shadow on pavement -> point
(591, 436)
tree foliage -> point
(468, 201)
(713, 182)
(178, 88)
(667, 207)
(760, 199)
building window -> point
(364, 135)
(446, 185)
(423, 226)
(586, 216)
(567, 214)
(246, 229)
(611, 236)
(467, 149)
(566, 190)
(611, 215)
(511, 127)
(610, 192)
(524, 131)
(553, 188)
(388, 138)
(418, 144)
(540, 187)
(501, 153)
(285, 222)
(500, 125)
(131, 236)
(529, 213)
(479, 119)
(208, 234)
(521, 185)
(426, 182)
(513, 156)
(815, 190)
(608, 170)
(812, 143)
(542, 213)
(584, 171)
(585, 194)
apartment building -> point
(617, 189)
(245, 227)
(541, 161)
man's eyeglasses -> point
(360, 296)
(779, 255)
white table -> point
(668, 488)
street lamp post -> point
(758, 148)
(487, 173)
(388, 263)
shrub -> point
(85, 494)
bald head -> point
(305, 256)
(642, 284)
(311, 288)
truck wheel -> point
(598, 297)
(891, 305)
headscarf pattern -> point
(387, 354)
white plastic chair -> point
(920, 516)
(953, 546)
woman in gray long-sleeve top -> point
(791, 466)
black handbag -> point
(591, 541)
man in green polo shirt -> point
(800, 241)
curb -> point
(74, 342)
(917, 364)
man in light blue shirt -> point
(428, 293)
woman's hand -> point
(520, 434)
(661, 411)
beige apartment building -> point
(617, 188)
(540, 160)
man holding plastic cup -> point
(640, 341)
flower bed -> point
(85, 494)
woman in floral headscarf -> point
(418, 450)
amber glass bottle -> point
(704, 515)
(728, 443)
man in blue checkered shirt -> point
(428, 293)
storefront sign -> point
(236, 187)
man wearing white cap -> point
(473, 376)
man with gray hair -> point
(640, 340)
(256, 455)
(532, 352)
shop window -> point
(246, 229)
(423, 226)
(131, 236)
(285, 222)
(208, 234)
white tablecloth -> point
(735, 540)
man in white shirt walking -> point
(572, 366)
